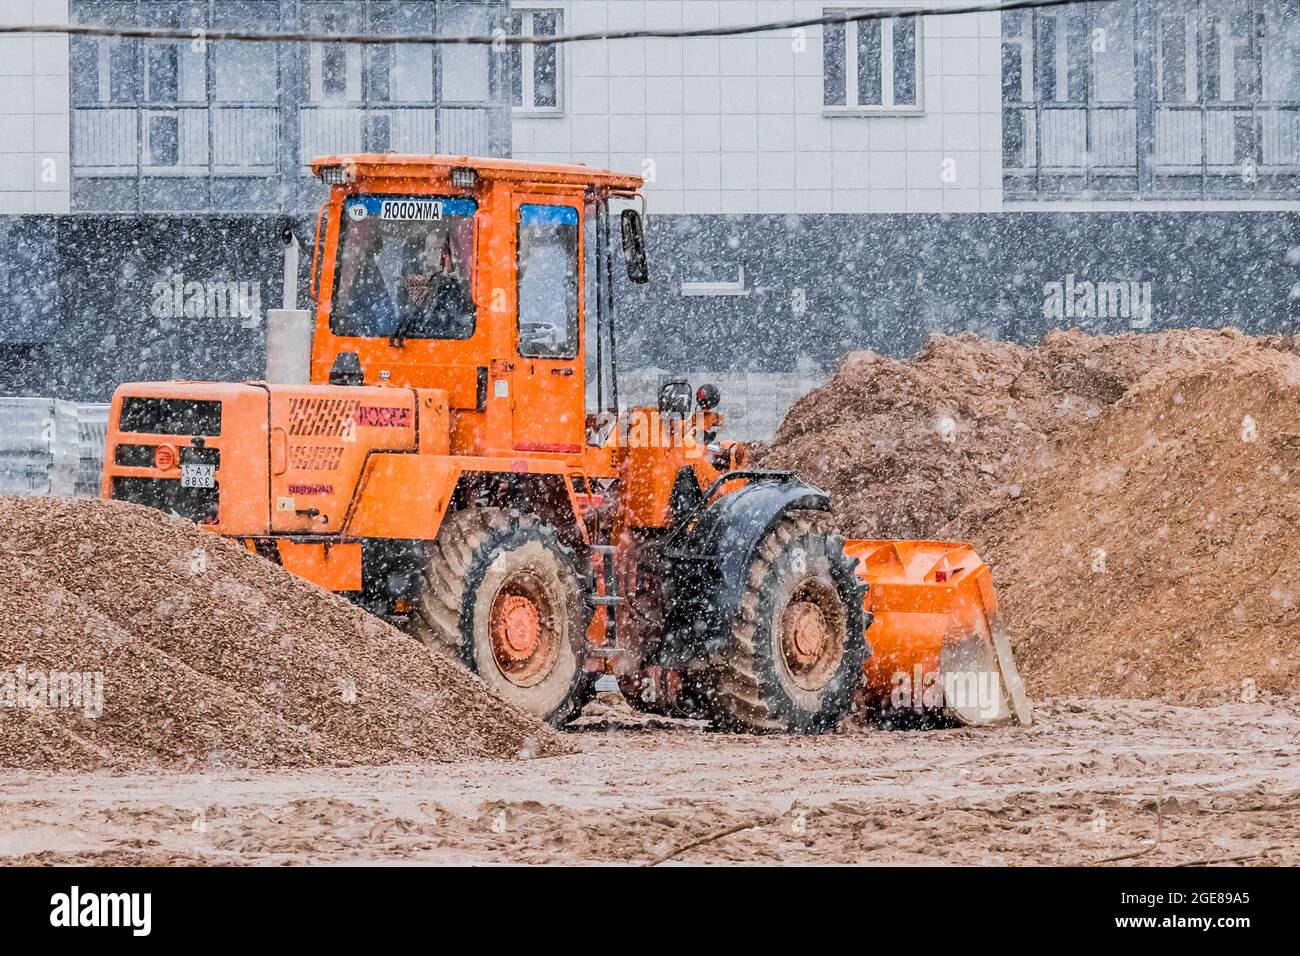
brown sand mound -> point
(908, 445)
(1138, 540)
(212, 656)
(1153, 559)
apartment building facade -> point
(192, 126)
(1089, 103)
(889, 117)
(1154, 99)
(818, 190)
(811, 190)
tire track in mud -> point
(1212, 783)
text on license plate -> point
(198, 476)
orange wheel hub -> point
(805, 634)
(516, 629)
(525, 643)
(812, 638)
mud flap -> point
(709, 560)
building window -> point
(103, 70)
(872, 65)
(374, 98)
(466, 70)
(175, 73)
(535, 71)
(401, 74)
(1214, 58)
(145, 108)
(244, 73)
(548, 281)
(1063, 47)
(164, 142)
(333, 69)
(720, 277)
(167, 114)
(1177, 70)
(1210, 85)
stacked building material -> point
(40, 447)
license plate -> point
(198, 476)
(410, 210)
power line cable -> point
(502, 39)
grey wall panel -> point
(97, 302)
(81, 311)
(820, 286)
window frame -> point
(736, 288)
(526, 10)
(370, 72)
(1188, 160)
(886, 107)
(342, 226)
(576, 287)
(99, 67)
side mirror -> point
(638, 266)
(675, 398)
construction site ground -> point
(1117, 781)
(1134, 495)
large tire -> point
(796, 647)
(502, 593)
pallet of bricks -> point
(50, 447)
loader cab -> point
(490, 279)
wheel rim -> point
(525, 642)
(812, 635)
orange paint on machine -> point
(454, 457)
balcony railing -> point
(1076, 138)
(246, 140)
(154, 141)
(454, 130)
(1210, 140)
(1191, 138)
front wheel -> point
(502, 592)
(797, 645)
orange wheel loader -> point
(452, 456)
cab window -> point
(548, 281)
(405, 268)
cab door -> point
(547, 379)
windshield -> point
(404, 268)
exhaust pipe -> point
(289, 330)
(288, 346)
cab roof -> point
(406, 166)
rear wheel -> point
(502, 593)
(797, 644)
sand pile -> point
(1153, 559)
(908, 445)
(212, 656)
(1134, 495)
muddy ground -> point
(1094, 781)
(1128, 491)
